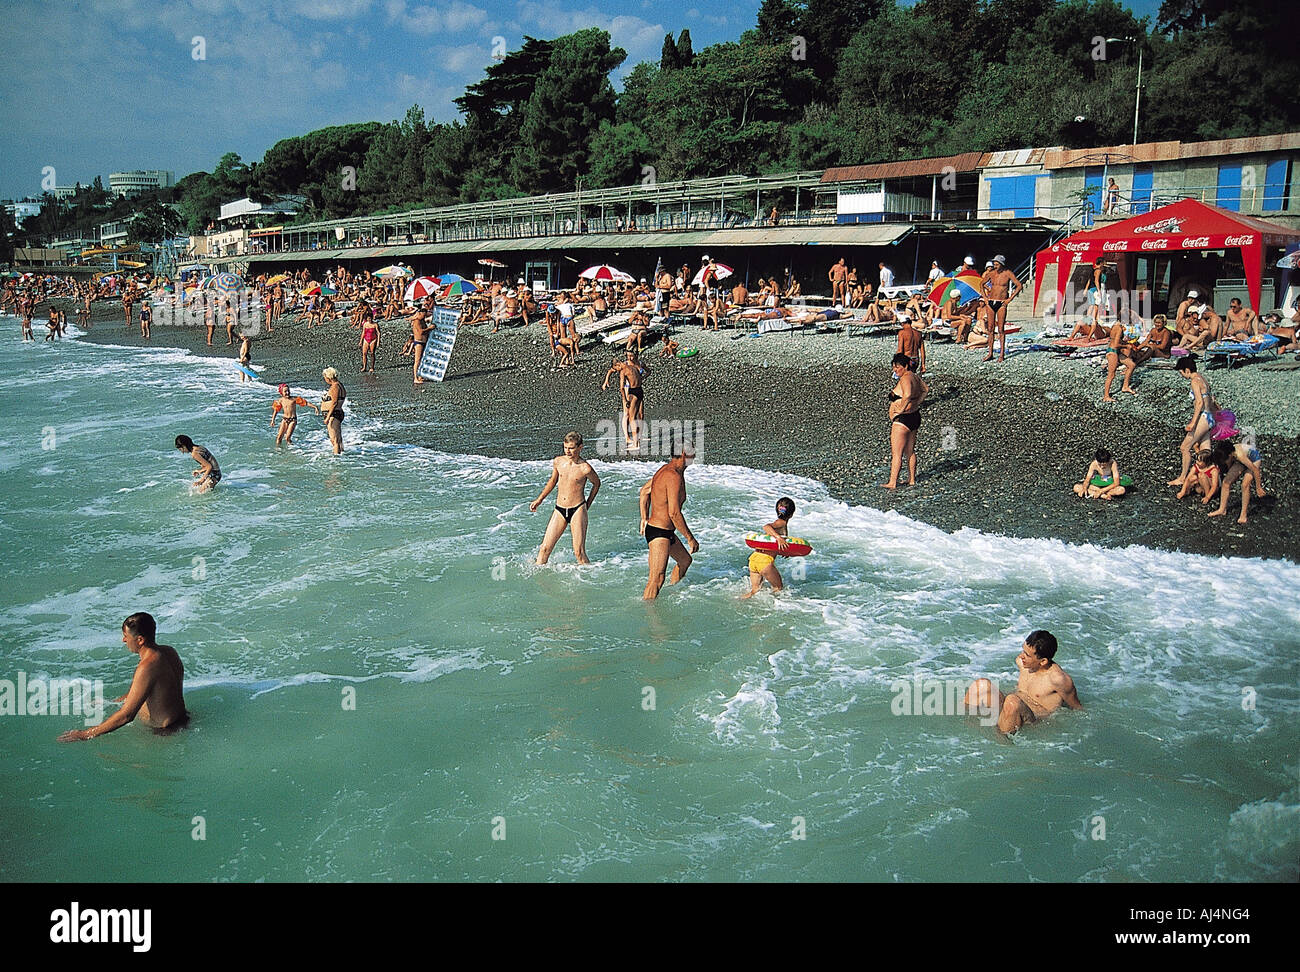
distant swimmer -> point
(286, 406)
(156, 693)
(762, 566)
(662, 499)
(209, 473)
(331, 407)
(1042, 689)
(571, 473)
(630, 372)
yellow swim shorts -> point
(759, 561)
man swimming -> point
(209, 473)
(662, 499)
(156, 692)
(571, 473)
(1043, 687)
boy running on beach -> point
(571, 472)
(286, 406)
(762, 566)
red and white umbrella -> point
(420, 288)
(604, 271)
(721, 270)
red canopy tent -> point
(1184, 225)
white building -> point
(21, 209)
(139, 180)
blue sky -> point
(95, 86)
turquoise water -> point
(491, 695)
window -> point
(1277, 185)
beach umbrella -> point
(458, 287)
(723, 271)
(223, 283)
(448, 278)
(278, 278)
(328, 292)
(420, 288)
(312, 291)
(393, 270)
(603, 271)
(966, 286)
(491, 264)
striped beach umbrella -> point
(393, 270)
(458, 287)
(723, 271)
(420, 288)
(223, 283)
(603, 271)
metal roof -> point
(1009, 157)
(1172, 151)
(966, 162)
(858, 234)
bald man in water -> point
(156, 688)
(1043, 687)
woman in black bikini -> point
(904, 419)
(331, 406)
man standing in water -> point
(1042, 689)
(662, 499)
(571, 472)
(998, 282)
(156, 688)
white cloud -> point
(454, 17)
(640, 38)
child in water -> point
(245, 356)
(762, 566)
(1103, 467)
(287, 404)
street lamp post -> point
(1137, 95)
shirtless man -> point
(571, 472)
(662, 499)
(960, 323)
(1155, 344)
(1042, 689)
(630, 371)
(999, 282)
(156, 687)
(1213, 324)
(1242, 324)
(739, 295)
(420, 329)
(839, 277)
(663, 291)
(911, 342)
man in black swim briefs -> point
(571, 472)
(662, 499)
(1001, 285)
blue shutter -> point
(1277, 179)
(1143, 182)
(1229, 189)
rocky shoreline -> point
(999, 449)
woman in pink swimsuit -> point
(369, 343)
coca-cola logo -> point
(1113, 245)
(1155, 244)
(1196, 241)
(1238, 240)
(1075, 247)
(1171, 224)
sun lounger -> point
(1232, 352)
(619, 319)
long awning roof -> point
(857, 234)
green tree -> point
(572, 97)
(685, 54)
(776, 21)
(668, 59)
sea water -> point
(384, 687)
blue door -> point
(1015, 193)
(1229, 190)
(1143, 183)
(1092, 182)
